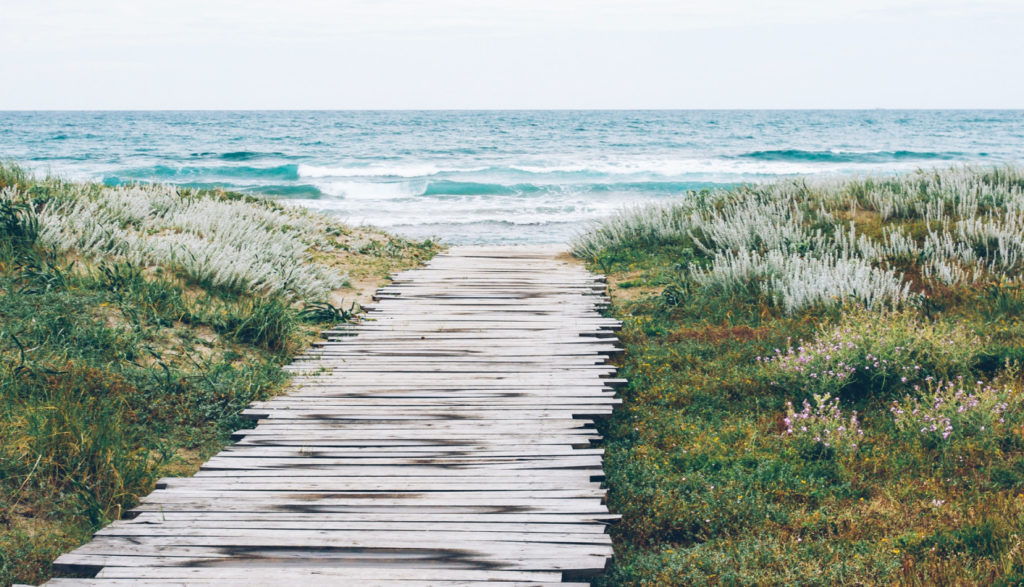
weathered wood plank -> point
(311, 451)
(577, 565)
(155, 522)
(227, 578)
(337, 400)
(333, 536)
(581, 475)
(541, 519)
(361, 574)
(480, 554)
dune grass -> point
(135, 324)
(790, 420)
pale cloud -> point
(507, 53)
(116, 19)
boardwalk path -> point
(447, 442)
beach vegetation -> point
(136, 323)
(824, 382)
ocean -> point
(495, 176)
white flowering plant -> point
(240, 245)
(794, 241)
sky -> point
(487, 54)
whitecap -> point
(400, 170)
(372, 190)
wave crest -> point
(193, 173)
(848, 156)
(405, 170)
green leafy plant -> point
(321, 312)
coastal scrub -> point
(783, 425)
(135, 324)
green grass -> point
(712, 487)
(114, 373)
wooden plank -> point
(383, 435)
(338, 400)
(362, 574)
(592, 348)
(436, 400)
(227, 580)
(483, 427)
(468, 347)
(370, 466)
(478, 554)
(463, 334)
(313, 451)
(154, 522)
(576, 564)
(390, 484)
(303, 384)
(333, 536)
(583, 364)
(558, 403)
(410, 413)
(354, 438)
(568, 475)
(541, 519)
(437, 496)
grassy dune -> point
(135, 324)
(825, 382)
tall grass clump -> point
(235, 244)
(825, 382)
(793, 282)
(19, 226)
(640, 226)
(797, 240)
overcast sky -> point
(184, 54)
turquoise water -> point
(495, 176)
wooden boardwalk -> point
(447, 440)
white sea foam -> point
(679, 168)
(344, 180)
(372, 190)
(390, 212)
(380, 170)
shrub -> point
(795, 283)
(872, 353)
(950, 409)
(821, 428)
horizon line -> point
(817, 109)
